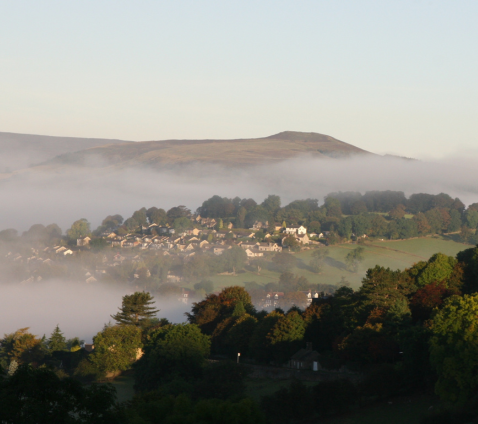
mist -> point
(64, 196)
(81, 310)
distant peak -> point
(298, 135)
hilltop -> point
(237, 152)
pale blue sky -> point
(388, 76)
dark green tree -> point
(454, 347)
(136, 309)
(39, 396)
(57, 341)
(173, 351)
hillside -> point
(239, 152)
(23, 150)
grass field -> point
(398, 254)
(402, 410)
(124, 386)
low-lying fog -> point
(64, 197)
(79, 309)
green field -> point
(398, 254)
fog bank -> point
(79, 309)
(63, 197)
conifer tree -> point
(57, 341)
(136, 309)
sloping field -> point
(394, 254)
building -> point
(304, 359)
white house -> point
(299, 230)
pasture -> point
(399, 254)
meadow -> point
(395, 254)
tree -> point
(172, 351)
(471, 218)
(454, 348)
(423, 227)
(398, 212)
(284, 261)
(271, 203)
(291, 242)
(285, 336)
(294, 298)
(333, 207)
(381, 288)
(206, 285)
(157, 216)
(354, 258)
(57, 341)
(438, 269)
(318, 259)
(39, 396)
(140, 217)
(455, 221)
(182, 224)
(21, 346)
(241, 217)
(116, 348)
(136, 309)
(80, 228)
(178, 212)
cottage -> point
(304, 358)
(83, 241)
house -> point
(272, 299)
(117, 242)
(89, 347)
(184, 296)
(229, 226)
(259, 225)
(299, 230)
(91, 280)
(248, 245)
(83, 241)
(269, 247)
(304, 359)
(303, 239)
(252, 253)
(310, 296)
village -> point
(207, 236)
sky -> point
(388, 76)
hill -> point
(23, 150)
(239, 152)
